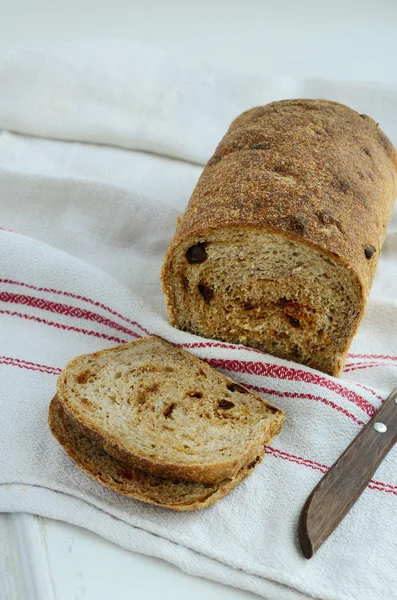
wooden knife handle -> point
(346, 480)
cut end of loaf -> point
(266, 291)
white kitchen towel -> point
(100, 148)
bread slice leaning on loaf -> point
(161, 410)
(278, 246)
(129, 481)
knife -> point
(343, 484)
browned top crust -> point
(314, 170)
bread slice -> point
(126, 480)
(164, 411)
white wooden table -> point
(352, 40)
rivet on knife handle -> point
(348, 477)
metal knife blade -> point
(341, 486)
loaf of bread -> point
(278, 246)
(158, 424)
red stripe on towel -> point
(77, 297)
(292, 374)
(368, 389)
(9, 230)
(64, 310)
(368, 366)
(27, 367)
(311, 464)
(316, 466)
(27, 363)
(64, 327)
(306, 397)
(373, 356)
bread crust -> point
(313, 171)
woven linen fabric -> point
(100, 148)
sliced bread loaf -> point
(126, 480)
(278, 246)
(162, 410)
